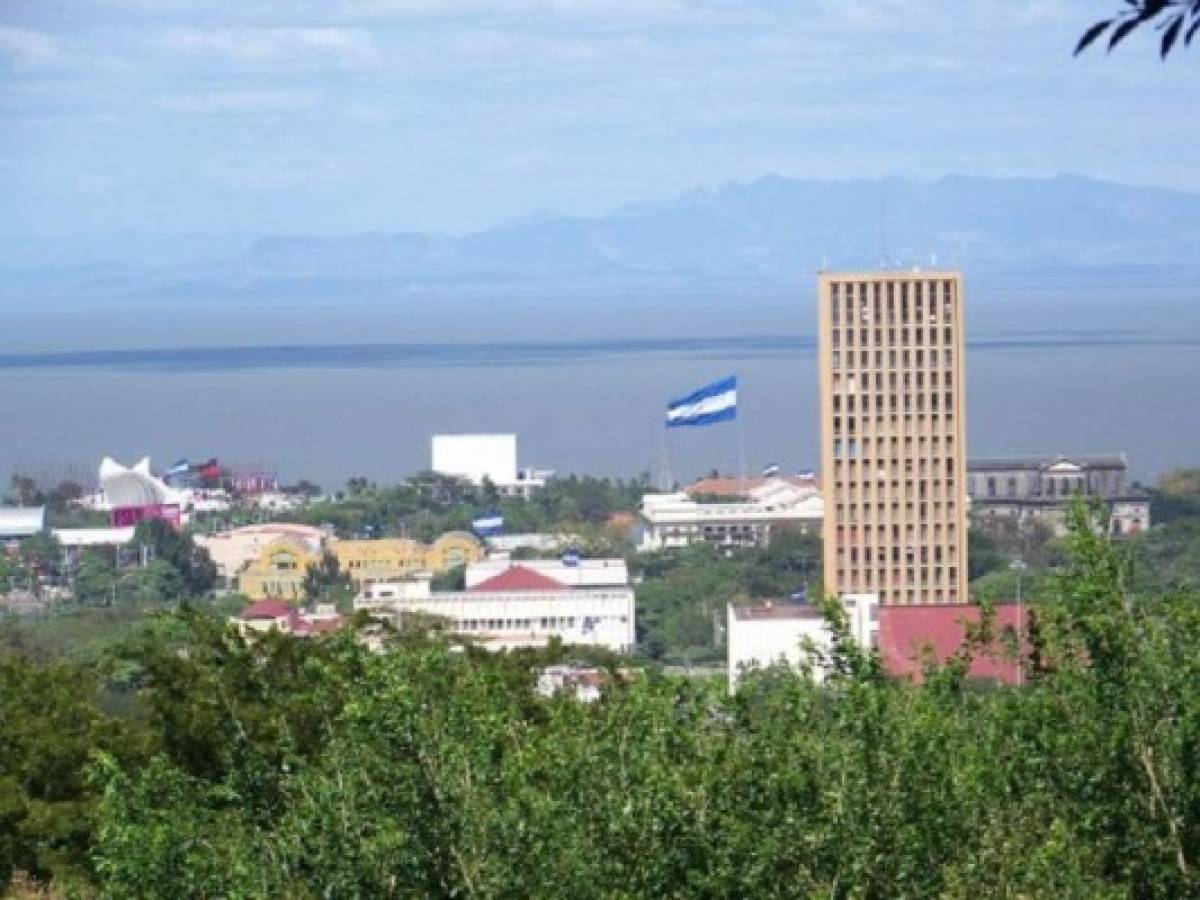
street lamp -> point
(1019, 566)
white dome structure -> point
(136, 486)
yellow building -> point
(278, 571)
(395, 559)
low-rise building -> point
(518, 607)
(279, 571)
(18, 522)
(395, 559)
(793, 634)
(232, 551)
(569, 570)
(679, 519)
(1040, 488)
(275, 615)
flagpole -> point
(741, 440)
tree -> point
(96, 579)
(326, 582)
(176, 548)
(1173, 18)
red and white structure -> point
(275, 615)
(523, 606)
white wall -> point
(473, 456)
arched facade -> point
(278, 573)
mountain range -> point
(770, 231)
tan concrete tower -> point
(893, 449)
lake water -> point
(327, 391)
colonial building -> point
(279, 571)
(678, 520)
(519, 607)
(395, 559)
(1040, 488)
(233, 550)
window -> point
(1012, 487)
(991, 487)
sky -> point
(335, 116)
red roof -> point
(908, 635)
(266, 609)
(518, 578)
(304, 626)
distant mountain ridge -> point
(771, 230)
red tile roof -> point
(518, 578)
(908, 634)
(266, 609)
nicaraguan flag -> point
(181, 467)
(488, 525)
(716, 402)
(800, 594)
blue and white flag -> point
(800, 594)
(771, 471)
(488, 525)
(716, 402)
(571, 558)
(182, 467)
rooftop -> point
(773, 610)
(518, 578)
(266, 609)
(724, 486)
(1005, 463)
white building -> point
(518, 607)
(582, 573)
(677, 520)
(768, 634)
(84, 538)
(21, 521)
(479, 457)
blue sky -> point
(329, 116)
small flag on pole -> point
(771, 471)
(488, 525)
(713, 403)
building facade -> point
(394, 559)
(678, 520)
(518, 607)
(279, 571)
(233, 550)
(485, 457)
(793, 634)
(893, 435)
(1040, 488)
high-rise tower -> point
(893, 451)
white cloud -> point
(238, 102)
(341, 47)
(29, 48)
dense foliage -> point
(320, 769)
